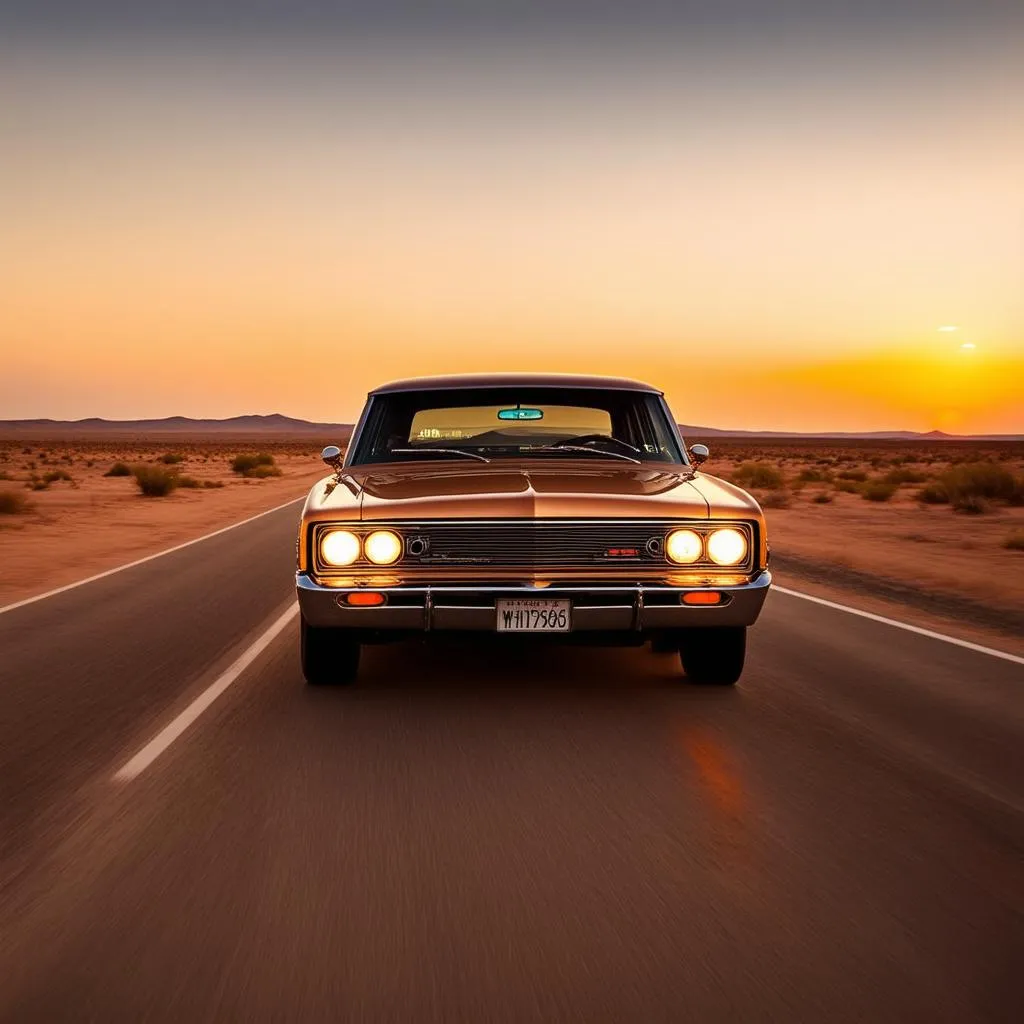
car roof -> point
(513, 380)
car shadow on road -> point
(488, 670)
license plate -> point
(533, 615)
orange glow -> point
(287, 256)
(365, 599)
(702, 597)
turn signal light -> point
(702, 597)
(365, 599)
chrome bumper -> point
(627, 608)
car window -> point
(538, 422)
(508, 423)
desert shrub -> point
(1017, 498)
(171, 458)
(36, 483)
(778, 498)
(56, 474)
(1015, 541)
(814, 475)
(858, 475)
(13, 503)
(822, 498)
(4, 475)
(246, 463)
(979, 480)
(261, 472)
(904, 476)
(758, 474)
(155, 481)
(119, 469)
(933, 494)
(190, 482)
(970, 504)
(209, 484)
(878, 490)
(847, 486)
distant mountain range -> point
(278, 425)
(274, 424)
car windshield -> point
(507, 423)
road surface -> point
(544, 835)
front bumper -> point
(636, 608)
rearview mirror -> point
(520, 414)
(699, 453)
(332, 456)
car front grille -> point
(541, 544)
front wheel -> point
(328, 656)
(713, 657)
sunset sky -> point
(768, 210)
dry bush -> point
(822, 498)
(778, 498)
(847, 487)
(193, 483)
(155, 481)
(261, 472)
(245, 464)
(758, 474)
(877, 490)
(905, 476)
(13, 503)
(119, 469)
(971, 486)
(858, 475)
(933, 494)
(813, 476)
(171, 458)
(1015, 541)
(56, 474)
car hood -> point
(499, 491)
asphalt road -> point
(468, 835)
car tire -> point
(713, 657)
(329, 658)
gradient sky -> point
(768, 210)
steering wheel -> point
(585, 440)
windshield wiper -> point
(588, 451)
(457, 452)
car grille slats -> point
(541, 544)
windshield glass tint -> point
(497, 423)
(478, 423)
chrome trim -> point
(438, 608)
(406, 563)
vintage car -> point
(527, 507)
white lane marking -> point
(166, 736)
(147, 558)
(931, 634)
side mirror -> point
(332, 456)
(699, 453)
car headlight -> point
(383, 547)
(683, 546)
(339, 547)
(727, 547)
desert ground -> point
(64, 517)
(938, 527)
